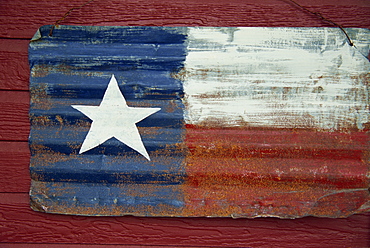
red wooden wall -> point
(22, 227)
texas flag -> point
(199, 121)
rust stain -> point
(40, 97)
(43, 70)
(44, 156)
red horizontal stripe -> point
(243, 156)
(264, 143)
(270, 172)
(322, 173)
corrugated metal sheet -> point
(163, 121)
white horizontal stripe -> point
(277, 77)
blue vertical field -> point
(73, 67)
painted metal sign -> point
(177, 121)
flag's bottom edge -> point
(236, 201)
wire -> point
(65, 15)
(325, 19)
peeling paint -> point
(310, 79)
(254, 122)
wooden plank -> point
(19, 224)
(14, 121)
(14, 68)
(21, 19)
(12, 245)
(14, 167)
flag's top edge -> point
(177, 27)
(44, 31)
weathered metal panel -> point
(163, 121)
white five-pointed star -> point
(113, 118)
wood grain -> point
(14, 162)
(14, 122)
(19, 224)
(12, 245)
(14, 64)
(21, 19)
